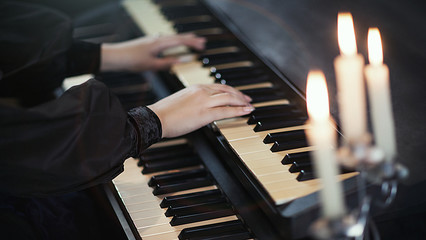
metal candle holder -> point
(369, 161)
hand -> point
(142, 54)
(196, 106)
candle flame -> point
(346, 34)
(375, 50)
(317, 96)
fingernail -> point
(248, 98)
(248, 109)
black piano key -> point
(219, 44)
(184, 150)
(191, 198)
(285, 136)
(186, 27)
(214, 34)
(169, 164)
(224, 58)
(222, 72)
(263, 94)
(174, 177)
(298, 167)
(177, 187)
(274, 123)
(175, 12)
(296, 157)
(195, 214)
(254, 72)
(273, 108)
(256, 117)
(193, 208)
(243, 81)
(284, 146)
(305, 175)
(186, 184)
(160, 150)
(231, 230)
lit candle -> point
(323, 136)
(377, 75)
(350, 85)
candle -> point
(323, 136)
(377, 75)
(349, 75)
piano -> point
(248, 177)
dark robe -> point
(50, 151)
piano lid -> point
(297, 36)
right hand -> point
(195, 106)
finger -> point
(189, 40)
(228, 112)
(225, 88)
(163, 63)
(227, 99)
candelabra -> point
(373, 169)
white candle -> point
(350, 85)
(323, 136)
(377, 75)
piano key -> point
(254, 72)
(174, 12)
(197, 207)
(233, 67)
(208, 211)
(151, 223)
(172, 163)
(243, 81)
(223, 59)
(218, 51)
(185, 184)
(305, 175)
(263, 94)
(284, 145)
(176, 176)
(212, 44)
(278, 122)
(191, 26)
(191, 73)
(297, 167)
(287, 136)
(298, 157)
(194, 19)
(273, 108)
(190, 198)
(227, 230)
(213, 33)
(182, 150)
(259, 85)
(148, 17)
(255, 118)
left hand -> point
(141, 54)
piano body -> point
(250, 177)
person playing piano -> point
(50, 149)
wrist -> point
(111, 59)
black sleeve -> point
(76, 141)
(38, 51)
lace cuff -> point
(148, 128)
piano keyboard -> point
(176, 198)
(281, 165)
